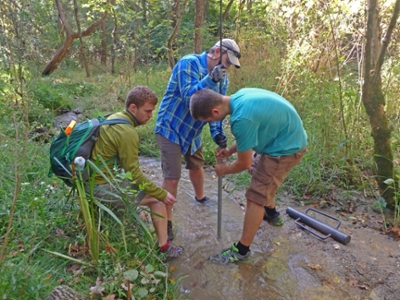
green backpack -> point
(80, 142)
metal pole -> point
(220, 91)
(318, 225)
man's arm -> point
(216, 127)
(242, 163)
(190, 77)
(128, 154)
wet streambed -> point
(279, 267)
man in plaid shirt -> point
(177, 133)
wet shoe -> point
(171, 251)
(230, 255)
(170, 231)
(275, 220)
(204, 199)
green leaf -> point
(149, 268)
(128, 175)
(382, 202)
(142, 292)
(131, 275)
(160, 274)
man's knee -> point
(171, 182)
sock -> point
(169, 223)
(242, 248)
(163, 248)
(270, 211)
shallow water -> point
(279, 267)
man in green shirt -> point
(119, 143)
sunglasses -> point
(235, 53)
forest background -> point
(336, 61)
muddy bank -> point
(286, 262)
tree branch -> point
(388, 35)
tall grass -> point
(50, 237)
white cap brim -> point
(233, 59)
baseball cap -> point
(232, 49)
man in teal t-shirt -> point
(270, 141)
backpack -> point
(79, 141)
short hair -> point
(202, 102)
(140, 95)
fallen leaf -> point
(98, 288)
(110, 248)
(21, 246)
(352, 281)
(172, 268)
(375, 246)
(361, 286)
(395, 231)
(59, 232)
(314, 267)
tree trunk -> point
(198, 26)
(239, 12)
(226, 11)
(70, 36)
(81, 46)
(103, 53)
(171, 59)
(374, 100)
(114, 44)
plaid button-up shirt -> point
(174, 120)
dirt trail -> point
(287, 262)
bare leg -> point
(171, 185)
(160, 224)
(252, 220)
(197, 179)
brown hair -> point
(139, 95)
(202, 102)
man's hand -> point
(222, 153)
(220, 140)
(169, 199)
(220, 168)
(217, 74)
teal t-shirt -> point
(266, 122)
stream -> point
(279, 267)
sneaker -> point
(275, 220)
(230, 255)
(172, 251)
(170, 231)
(204, 199)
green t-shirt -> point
(265, 122)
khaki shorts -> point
(267, 175)
(171, 158)
(108, 194)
